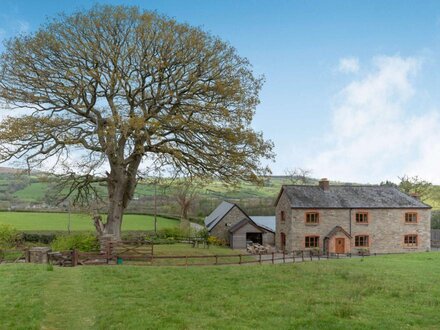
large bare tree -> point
(121, 88)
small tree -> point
(298, 175)
(415, 186)
(186, 192)
(120, 89)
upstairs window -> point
(312, 218)
(361, 241)
(410, 240)
(411, 217)
(283, 216)
(311, 242)
(362, 217)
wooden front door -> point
(340, 245)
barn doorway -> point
(254, 238)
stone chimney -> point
(415, 196)
(324, 184)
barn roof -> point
(219, 213)
(264, 221)
(245, 221)
(344, 197)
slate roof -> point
(336, 230)
(243, 222)
(218, 214)
(345, 197)
(267, 222)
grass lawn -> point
(34, 221)
(386, 292)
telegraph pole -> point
(155, 206)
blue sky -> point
(352, 87)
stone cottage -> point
(231, 224)
(350, 219)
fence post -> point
(311, 255)
(319, 255)
(273, 258)
(239, 262)
(216, 259)
(284, 257)
(302, 255)
(293, 256)
(74, 258)
(259, 259)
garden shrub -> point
(9, 236)
(212, 240)
(81, 241)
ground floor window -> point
(312, 241)
(361, 241)
(283, 241)
(410, 240)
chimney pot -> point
(324, 184)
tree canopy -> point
(117, 89)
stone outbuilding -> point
(351, 219)
(231, 224)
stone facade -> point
(234, 216)
(386, 228)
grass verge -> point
(386, 292)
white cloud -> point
(348, 65)
(374, 134)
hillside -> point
(20, 191)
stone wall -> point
(286, 226)
(386, 228)
(234, 216)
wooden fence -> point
(75, 258)
(13, 256)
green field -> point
(386, 292)
(35, 221)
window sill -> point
(312, 224)
(361, 223)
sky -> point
(352, 88)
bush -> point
(172, 232)
(204, 233)
(9, 236)
(45, 238)
(212, 240)
(82, 242)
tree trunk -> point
(120, 187)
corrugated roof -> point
(361, 197)
(218, 214)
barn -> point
(231, 224)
